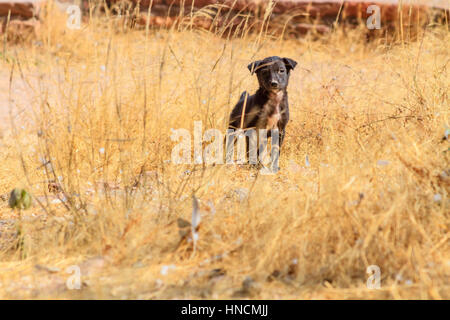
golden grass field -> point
(92, 112)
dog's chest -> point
(271, 113)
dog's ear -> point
(253, 67)
(290, 64)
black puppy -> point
(268, 108)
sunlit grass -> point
(99, 105)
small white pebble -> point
(165, 269)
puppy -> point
(268, 108)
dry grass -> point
(97, 106)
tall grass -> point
(90, 138)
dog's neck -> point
(274, 98)
(271, 108)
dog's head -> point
(273, 72)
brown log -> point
(303, 28)
(25, 10)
